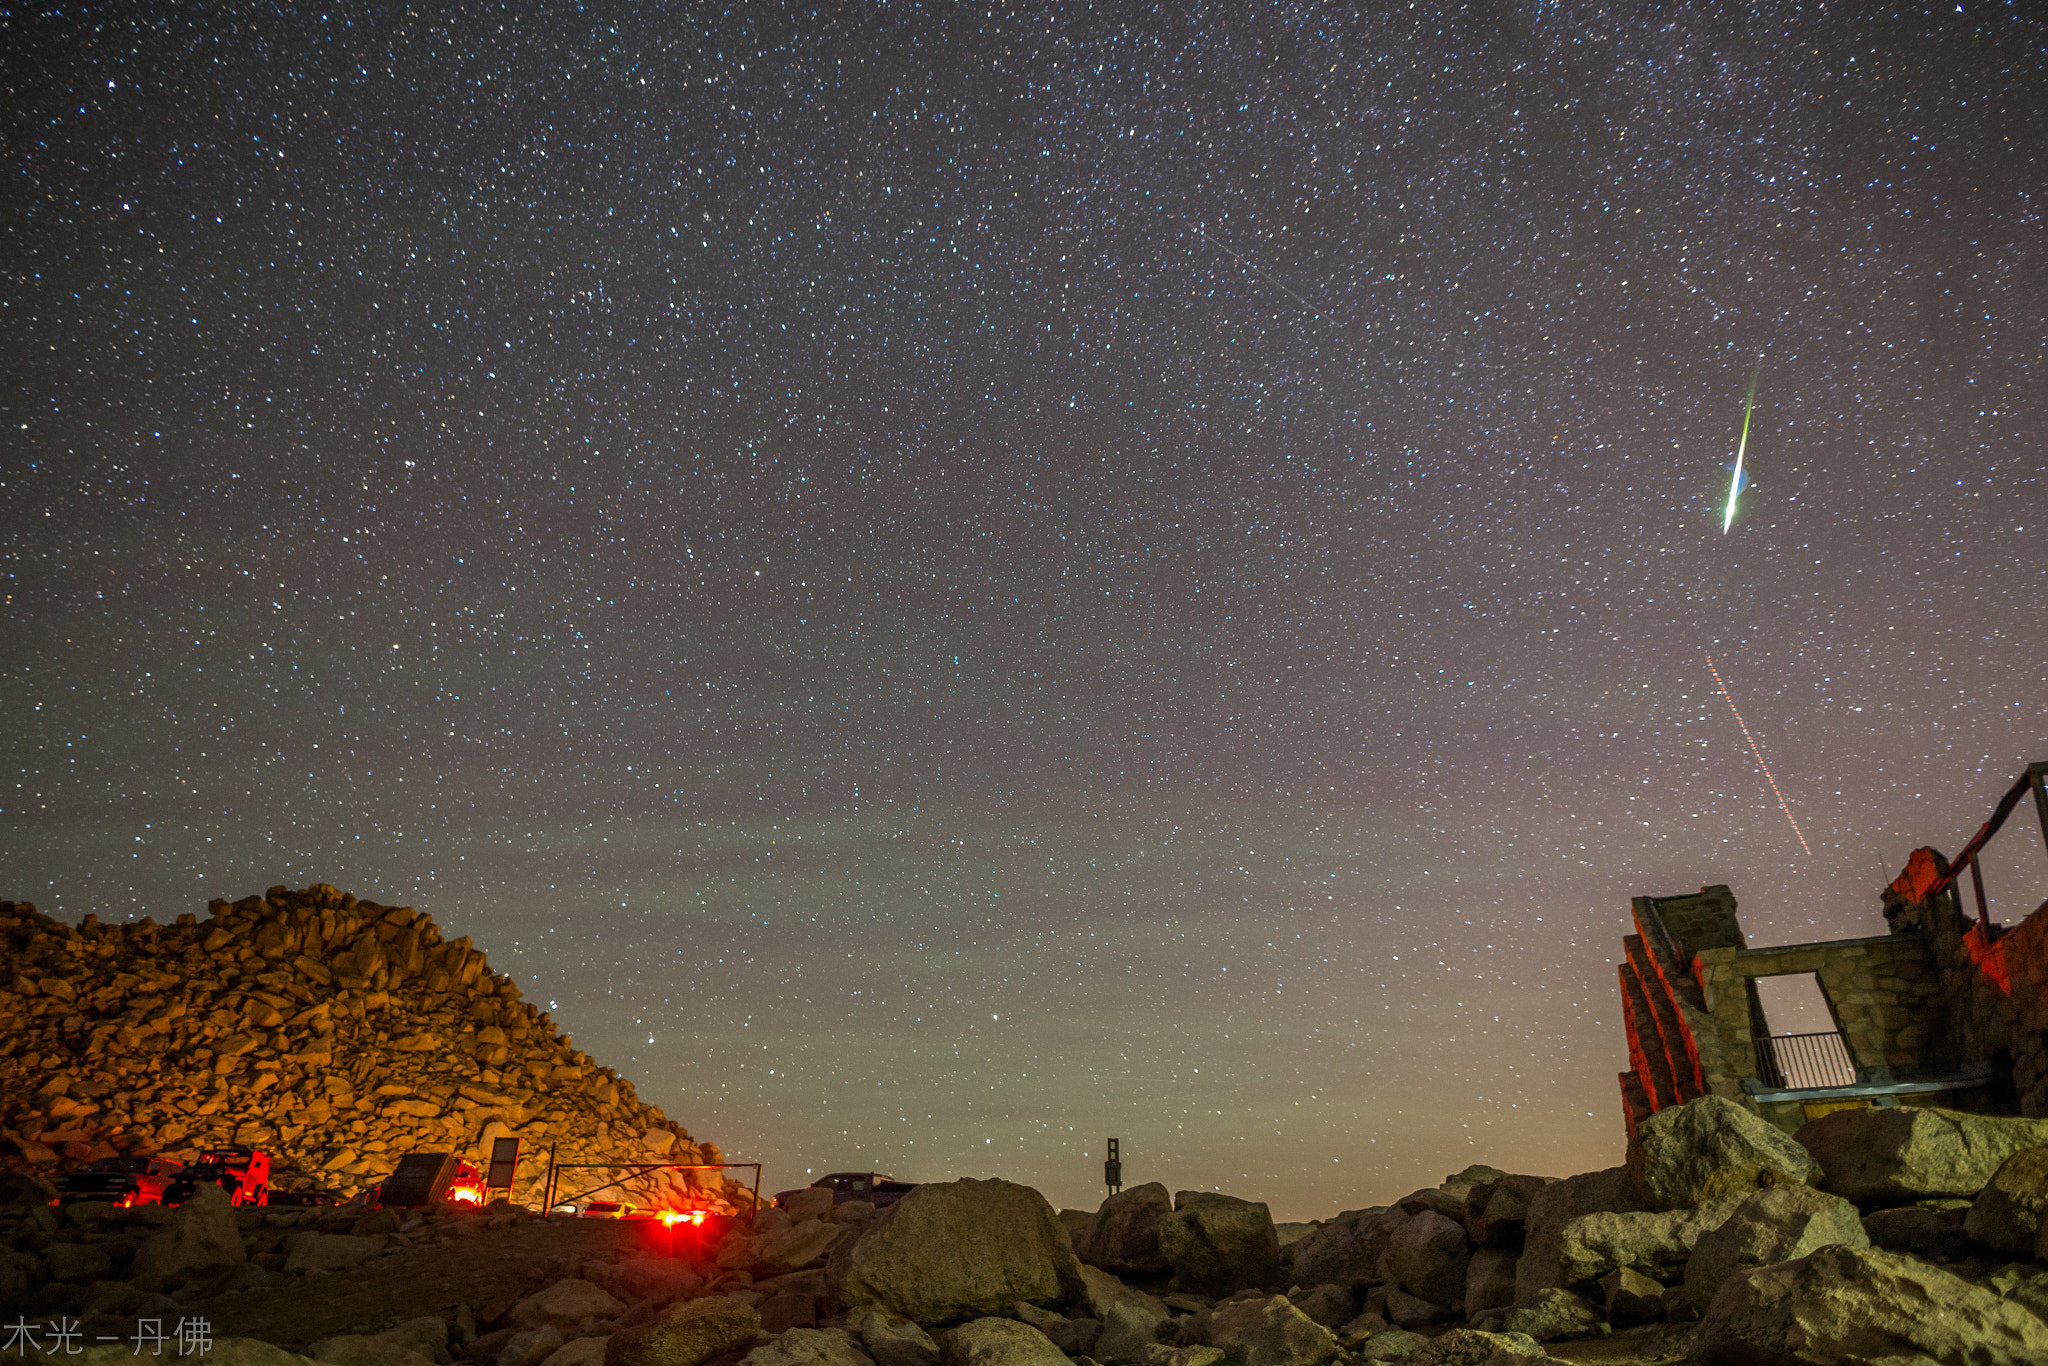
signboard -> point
(504, 1162)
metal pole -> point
(757, 1194)
(2039, 774)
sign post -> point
(1113, 1169)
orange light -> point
(467, 1197)
(672, 1217)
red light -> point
(672, 1217)
(467, 1197)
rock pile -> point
(1721, 1241)
(337, 1034)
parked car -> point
(244, 1173)
(607, 1209)
(878, 1190)
(122, 1181)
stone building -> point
(1944, 1009)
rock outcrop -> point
(1912, 1153)
(335, 1033)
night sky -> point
(941, 583)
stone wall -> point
(1995, 983)
(335, 1033)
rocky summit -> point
(339, 1034)
(336, 1034)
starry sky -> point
(943, 582)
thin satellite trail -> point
(1783, 805)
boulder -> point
(1123, 1237)
(1490, 1281)
(811, 1347)
(1329, 1305)
(1075, 1337)
(1347, 1250)
(1658, 1245)
(1130, 1318)
(1710, 1148)
(1429, 1256)
(1556, 1316)
(1551, 1209)
(1217, 1244)
(1471, 1347)
(224, 1352)
(788, 1309)
(24, 1190)
(80, 1262)
(1779, 1224)
(998, 1342)
(1495, 1211)
(1269, 1332)
(1864, 1303)
(530, 1346)
(578, 1352)
(1159, 1354)
(1395, 1344)
(352, 1349)
(565, 1304)
(954, 1250)
(655, 1278)
(893, 1340)
(329, 1251)
(1912, 1153)
(2007, 1214)
(685, 1334)
(1631, 1298)
(793, 1248)
(1899, 1229)
(1412, 1311)
(200, 1236)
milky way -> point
(941, 583)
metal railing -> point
(2036, 779)
(1801, 1062)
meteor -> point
(1735, 480)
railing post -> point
(2037, 775)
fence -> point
(1799, 1062)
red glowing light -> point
(465, 1196)
(672, 1217)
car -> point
(607, 1209)
(878, 1190)
(244, 1173)
(121, 1181)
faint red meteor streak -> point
(1783, 805)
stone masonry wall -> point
(335, 1033)
(1996, 984)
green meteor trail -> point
(1735, 480)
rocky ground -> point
(1876, 1236)
(337, 1034)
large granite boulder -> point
(1555, 1317)
(1123, 1238)
(687, 1333)
(1473, 1347)
(565, 1304)
(1347, 1250)
(1710, 1148)
(2007, 1214)
(1550, 1210)
(1490, 1280)
(1779, 1224)
(1496, 1211)
(1864, 1304)
(1429, 1256)
(1217, 1244)
(893, 1340)
(792, 1248)
(200, 1237)
(1914, 1153)
(1130, 1318)
(1656, 1244)
(809, 1347)
(957, 1250)
(1269, 1332)
(998, 1342)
